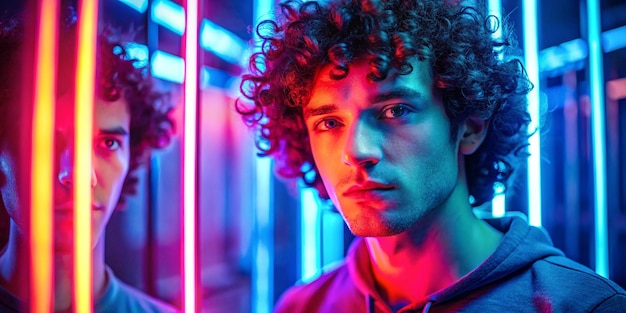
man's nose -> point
(66, 170)
(362, 146)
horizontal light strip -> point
(221, 42)
(169, 15)
(566, 53)
(168, 67)
(41, 159)
(213, 37)
(138, 5)
(614, 39)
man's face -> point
(111, 126)
(383, 149)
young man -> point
(404, 115)
(130, 119)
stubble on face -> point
(417, 157)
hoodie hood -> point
(520, 247)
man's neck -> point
(431, 256)
(62, 277)
(13, 274)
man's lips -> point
(367, 189)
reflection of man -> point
(401, 112)
(130, 118)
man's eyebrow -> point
(400, 92)
(120, 131)
(321, 110)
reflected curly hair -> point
(474, 73)
(117, 75)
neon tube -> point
(138, 5)
(531, 56)
(263, 269)
(170, 15)
(190, 49)
(310, 235)
(598, 135)
(498, 203)
(263, 274)
(41, 189)
(495, 8)
(83, 123)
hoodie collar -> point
(521, 246)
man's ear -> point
(474, 131)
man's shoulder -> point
(120, 297)
(561, 268)
(316, 293)
(577, 284)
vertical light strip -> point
(598, 135)
(531, 57)
(495, 8)
(310, 235)
(263, 252)
(41, 174)
(83, 123)
(498, 203)
(263, 266)
(190, 156)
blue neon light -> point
(566, 53)
(263, 269)
(168, 67)
(169, 15)
(498, 204)
(596, 78)
(262, 295)
(614, 39)
(139, 5)
(531, 59)
(310, 222)
(221, 42)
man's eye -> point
(327, 124)
(110, 144)
(395, 111)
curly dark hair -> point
(475, 73)
(117, 75)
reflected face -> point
(383, 149)
(111, 156)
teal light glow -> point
(169, 15)
(310, 235)
(221, 42)
(262, 295)
(531, 60)
(138, 5)
(598, 136)
(168, 67)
